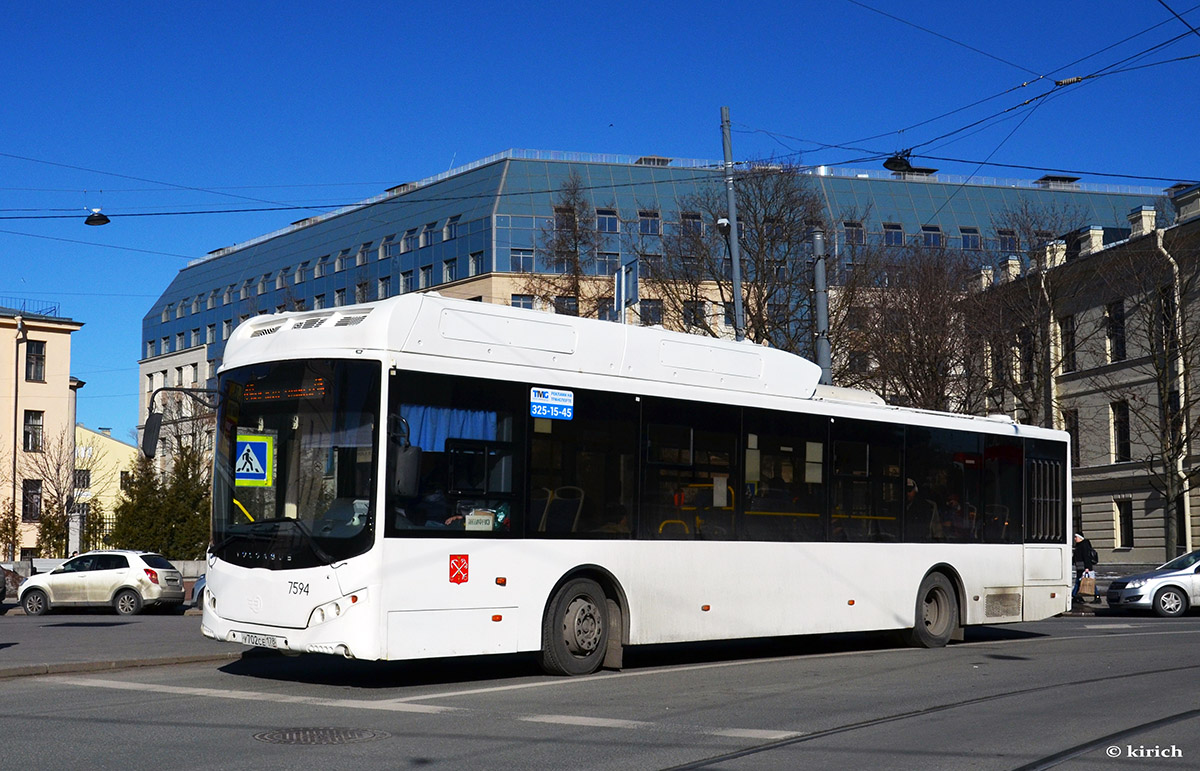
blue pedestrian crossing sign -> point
(255, 461)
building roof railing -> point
(653, 161)
(20, 305)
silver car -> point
(1170, 589)
(125, 580)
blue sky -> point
(155, 108)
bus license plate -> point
(258, 640)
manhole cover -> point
(320, 736)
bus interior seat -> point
(562, 510)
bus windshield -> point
(295, 463)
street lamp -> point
(96, 218)
(899, 162)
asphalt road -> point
(1059, 693)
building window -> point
(363, 252)
(1066, 333)
(521, 260)
(35, 361)
(651, 312)
(450, 231)
(855, 235)
(302, 269)
(383, 289)
(281, 279)
(649, 223)
(449, 271)
(607, 221)
(607, 263)
(567, 305)
(893, 234)
(728, 314)
(428, 234)
(1114, 314)
(196, 304)
(339, 262)
(212, 300)
(426, 277)
(83, 479)
(1071, 426)
(694, 314)
(475, 264)
(360, 292)
(149, 348)
(1122, 451)
(605, 309)
(931, 236)
(31, 500)
(970, 239)
(522, 301)
(1008, 240)
(210, 333)
(166, 314)
(690, 224)
(195, 339)
(339, 298)
(126, 480)
(409, 242)
(1124, 524)
(321, 269)
(318, 302)
(34, 421)
(406, 282)
(179, 310)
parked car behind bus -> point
(125, 580)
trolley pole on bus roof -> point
(824, 359)
(739, 319)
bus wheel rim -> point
(582, 627)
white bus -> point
(426, 477)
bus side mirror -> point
(406, 459)
(150, 434)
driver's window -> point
(78, 565)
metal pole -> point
(824, 360)
(739, 318)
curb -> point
(77, 667)
(17, 610)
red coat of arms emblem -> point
(459, 568)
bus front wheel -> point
(937, 613)
(575, 629)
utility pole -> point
(739, 318)
(824, 359)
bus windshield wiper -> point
(312, 542)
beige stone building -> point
(37, 408)
(1123, 339)
(102, 467)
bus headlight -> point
(336, 608)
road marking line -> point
(593, 722)
(755, 733)
(218, 693)
(1108, 626)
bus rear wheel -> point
(575, 629)
(937, 613)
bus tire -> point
(575, 629)
(937, 613)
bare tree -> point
(51, 459)
(1016, 325)
(689, 267)
(567, 247)
(913, 328)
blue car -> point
(198, 592)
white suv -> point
(126, 580)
